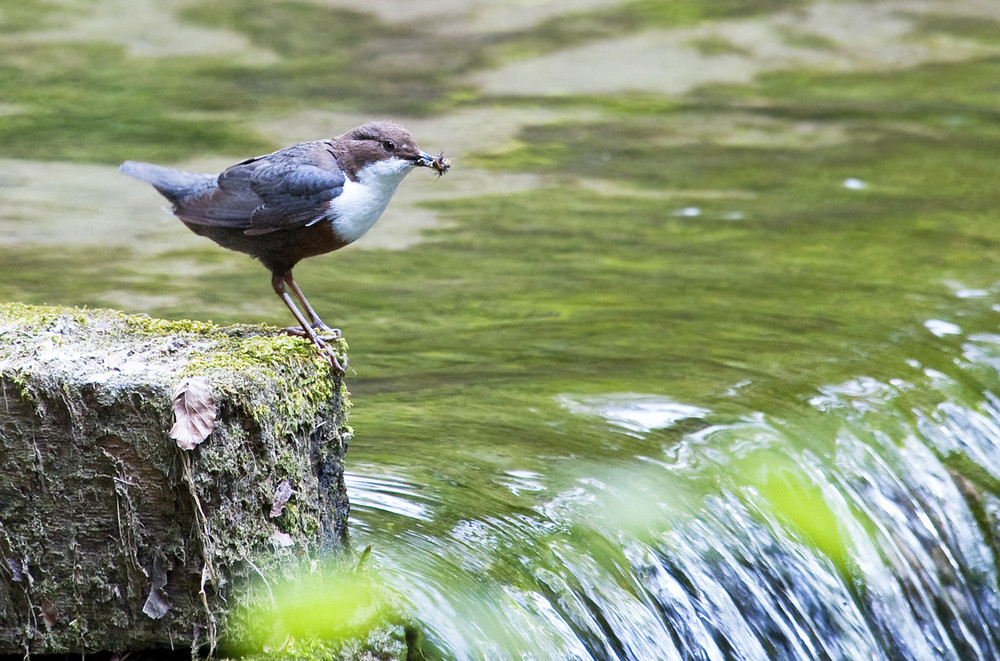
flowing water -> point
(697, 360)
(859, 524)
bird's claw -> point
(320, 341)
(338, 368)
(323, 331)
(331, 356)
(328, 334)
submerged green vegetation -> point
(575, 28)
(94, 102)
(90, 101)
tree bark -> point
(113, 538)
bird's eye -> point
(389, 145)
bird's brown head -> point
(378, 141)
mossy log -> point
(111, 536)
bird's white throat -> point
(362, 202)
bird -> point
(301, 201)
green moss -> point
(30, 317)
(150, 326)
(297, 521)
(294, 426)
(276, 357)
(241, 351)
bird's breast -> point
(360, 204)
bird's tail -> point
(172, 184)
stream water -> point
(861, 525)
(696, 365)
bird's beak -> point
(424, 159)
(438, 163)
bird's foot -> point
(331, 356)
(320, 341)
(328, 334)
(339, 368)
(323, 331)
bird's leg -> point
(325, 331)
(278, 284)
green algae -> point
(715, 45)
(575, 28)
(93, 102)
(26, 16)
(338, 58)
(293, 29)
(651, 12)
(979, 28)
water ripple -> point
(634, 412)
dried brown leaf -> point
(50, 613)
(194, 412)
(156, 605)
(281, 496)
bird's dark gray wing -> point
(284, 190)
(293, 194)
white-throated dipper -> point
(300, 201)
